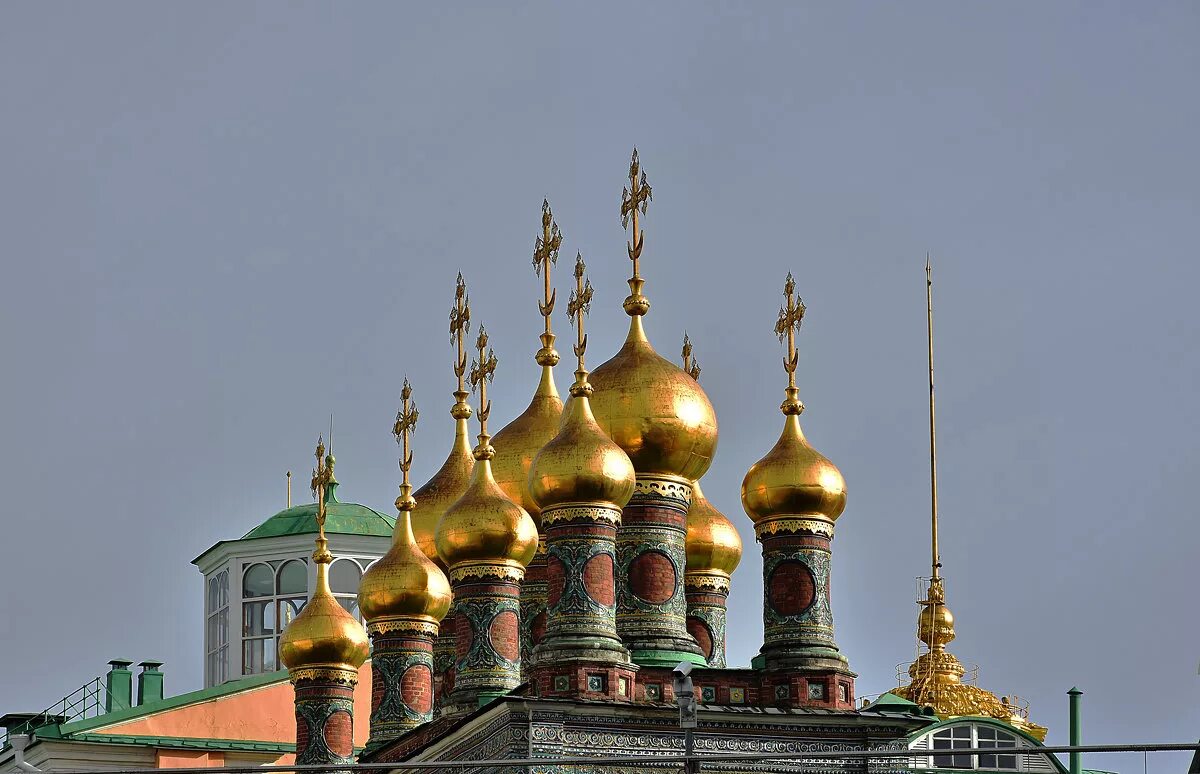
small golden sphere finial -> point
(483, 369)
(635, 198)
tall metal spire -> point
(936, 577)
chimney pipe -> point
(1076, 759)
(149, 683)
(118, 685)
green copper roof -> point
(340, 518)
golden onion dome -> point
(324, 634)
(581, 464)
(794, 479)
(713, 543)
(404, 582)
(446, 486)
(484, 526)
(654, 410)
(521, 440)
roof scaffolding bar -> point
(658, 761)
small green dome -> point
(340, 519)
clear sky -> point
(220, 222)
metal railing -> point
(87, 701)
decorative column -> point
(794, 495)
(581, 479)
(652, 560)
(521, 440)
(402, 596)
(323, 648)
(486, 540)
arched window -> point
(216, 637)
(943, 742)
(273, 593)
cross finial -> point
(483, 369)
(322, 477)
(579, 305)
(460, 325)
(403, 429)
(690, 365)
(635, 198)
(545, 254)
(788, 323)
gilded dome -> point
(484, 526)
(404, 582)
(794, 479)
(654, 410)
(581, 464)
(445, 487)
(521, 440)
(713, 544)
(324, 634)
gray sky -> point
(220, 222)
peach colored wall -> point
(264, 714)
(189, 759)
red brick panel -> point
(792, 588)
(416, 688)
(537, 630)
(598, 579)
(652, 577)
(699, 629)
(556, 579)
(339, 733)
(505, 635)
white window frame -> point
(214, 617)
(967, 735)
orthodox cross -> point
(460, 325)
(545, 253)
(790, 317)
(406, 425)
(482, 371)
(690, 364)
(579, 305)
(322, 476)
(637, 196)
